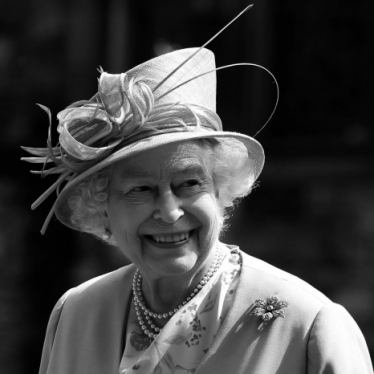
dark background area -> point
(313, 214)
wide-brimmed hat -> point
(170, 98)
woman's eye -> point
(191, 183)
(139, 189)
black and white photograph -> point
(187, 187)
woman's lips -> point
(163, 239)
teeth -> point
(171, 238)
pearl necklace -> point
(141, 309)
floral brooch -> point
(269, 308)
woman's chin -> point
(180, 261)
(175, 267)
(170, 259)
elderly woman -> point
(149, 169)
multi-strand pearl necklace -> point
(148, 326)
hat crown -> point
(199, 91)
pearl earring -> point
(107, 234)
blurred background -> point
(313, 213)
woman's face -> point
(162, 209)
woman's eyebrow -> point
(192, 169)
(187, 166)
(138, 174)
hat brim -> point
(254, 149)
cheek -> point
(207, 212)
(124, 223)
(126, 235)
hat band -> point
(160, 131)
(79, 166)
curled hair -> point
(232, 173)
(88, 202)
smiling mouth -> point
(175, 238)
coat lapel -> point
(92, 325)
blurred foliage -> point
(314, 212)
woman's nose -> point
(169, 208)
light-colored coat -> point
(85, 331)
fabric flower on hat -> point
(90, 129)
(119, 109)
